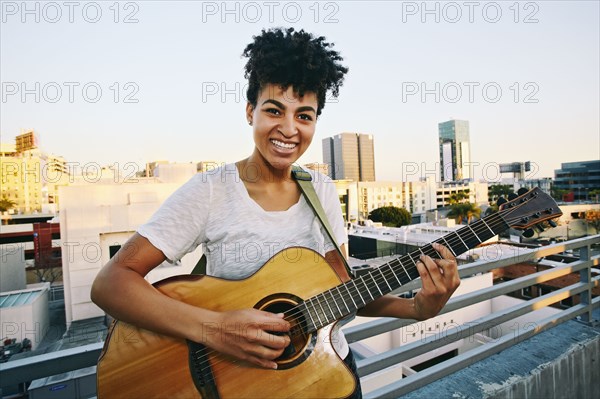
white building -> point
(476, 192)
(96, 218)
(360, 198)
(24, 314)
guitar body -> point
(137, 363)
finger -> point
(273, 341)
(432, 268)
(268, 364)
(263, 352)
(443, 251)
(274, 322)
(427, 283)
(266, 334)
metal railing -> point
(583, 288)
(27, 369)
(57, 293)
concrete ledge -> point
(562, 362)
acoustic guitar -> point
(136, 363)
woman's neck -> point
(255, 169)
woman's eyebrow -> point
(275, 102)
(306, 108)
(280, 105)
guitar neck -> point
(344, 299)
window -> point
(113, 249)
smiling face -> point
(284, 125)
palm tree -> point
(6, 204)
(459, 197)
(465, 210)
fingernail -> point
(274, 366)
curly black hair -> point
(293, 58)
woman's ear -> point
(249, 113)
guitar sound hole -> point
(301, 343)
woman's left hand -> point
(439, 279)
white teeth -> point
(283, 145)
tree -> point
(499, 190)
(558, 194)
(594, 195)
(391, 216)
(6, 204)
(592, 217)
(459, 197)
(463, 211)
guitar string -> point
(298, 316)
(499, 215)
(377, 280)
(474, 228)
(233, 362)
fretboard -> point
(344, 299)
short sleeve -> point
(179, 225)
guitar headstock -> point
(529, 209)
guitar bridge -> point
(201, 371)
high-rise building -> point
(350, 156)
(580, 180)
(31, 177)
(455, 150)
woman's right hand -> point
(248, 335)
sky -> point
(132, 82)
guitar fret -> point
(333, 317)
(361, 297)
(376, 285)
(316, 313)
(411, 258)
(349, 293)
(325, 317)
(336, 302)
(449, 247)
(405, 268)
(492, 231)
(384, 278)
(344, 300)
(474, 233)
(396, 276)
(309, 315)
(366, 287)
(461, 240)
(439, 255)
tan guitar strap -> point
(304, 180)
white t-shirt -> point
(239, 236)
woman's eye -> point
(305, 117)
(273, 111)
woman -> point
(245, 212)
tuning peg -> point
(501, 201)
(528, 233)
(512, 196)
(522, 191)
(539, 227)
(552, 223)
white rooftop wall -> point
(94, 217)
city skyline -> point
(172, 83)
